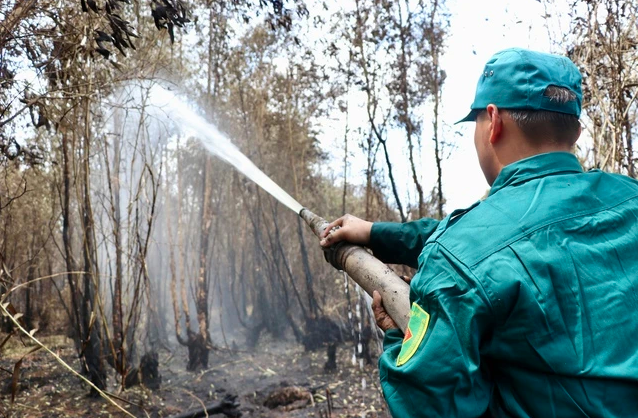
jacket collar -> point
(534, 167)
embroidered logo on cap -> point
(417, 326)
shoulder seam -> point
(475, 278)
(470, 267)
(525, 233)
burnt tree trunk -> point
(91, 333)
(28, 309)
(147, 373)
(313, 306)
(199, 343)
(118, 327)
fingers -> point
(384, 321)
(377, 306)
(347, 228)
(331, 226)
(406, 279)
(334, 232)
(332, 237)
(376, 302)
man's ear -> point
(496, 123)
(580, 131)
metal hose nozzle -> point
(369, 272)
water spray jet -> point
(366, 270)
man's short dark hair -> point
(544, 126)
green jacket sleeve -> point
(436, 370)
(401, 243)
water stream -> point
(215, 142)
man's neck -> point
(519, 148)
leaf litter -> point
(41, 387)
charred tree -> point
(91, 335)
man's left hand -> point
(384, 321)
(380, 315)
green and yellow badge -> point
(417, 326)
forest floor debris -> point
(274, 371)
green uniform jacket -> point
(528, 300)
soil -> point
(46, 389)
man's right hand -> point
(351, 229)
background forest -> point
(130, 253)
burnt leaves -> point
(116, 32)
(167, 14)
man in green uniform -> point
(524, 304)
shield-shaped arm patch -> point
(417, 326)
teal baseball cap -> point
(517, 78)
